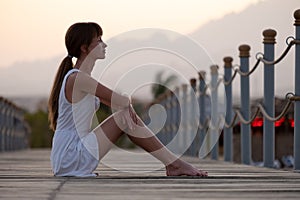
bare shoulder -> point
(78, 77)
(73, 88)
(71, 79)
(82, 82)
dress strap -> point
(68, 74)
(62, 90)
(71, 71)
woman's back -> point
(73, 125)
(75, 116)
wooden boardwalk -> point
(135, 175)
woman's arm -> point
(87, 84)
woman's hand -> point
(129, 117)
(133, 114)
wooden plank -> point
(136, 175)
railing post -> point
(5, 125)
(164, 129)
(193, 123)
(202, 117)
(177, 113)
(183, 139)
(214, 113)
(173, 116)
(10, 125)
(1, 124)
(156, 119)
(169, 117)
(297, 93)
(268, 128)
(245, 105)
(177, 120)
(228, 147)
(13, 129)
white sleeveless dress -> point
(74, 146)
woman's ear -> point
(84, 48)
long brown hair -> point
(77, 35)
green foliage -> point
(161, 84)
(41, 135)
(103, 112)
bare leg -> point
(108, 133)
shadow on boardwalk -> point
(136, 175)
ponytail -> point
(64, 67)
(77, 35)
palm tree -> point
(161, 84)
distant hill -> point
(219, 38)
(222, 37)
(31, 103)
(28, 78)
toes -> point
(202, 173)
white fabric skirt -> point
(72, 156)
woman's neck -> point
(85, 65)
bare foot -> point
(180, 168)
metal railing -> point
(194, 119)
(14, 131)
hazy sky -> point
(35, 29)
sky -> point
(35, 29)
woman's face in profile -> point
(97, 48)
